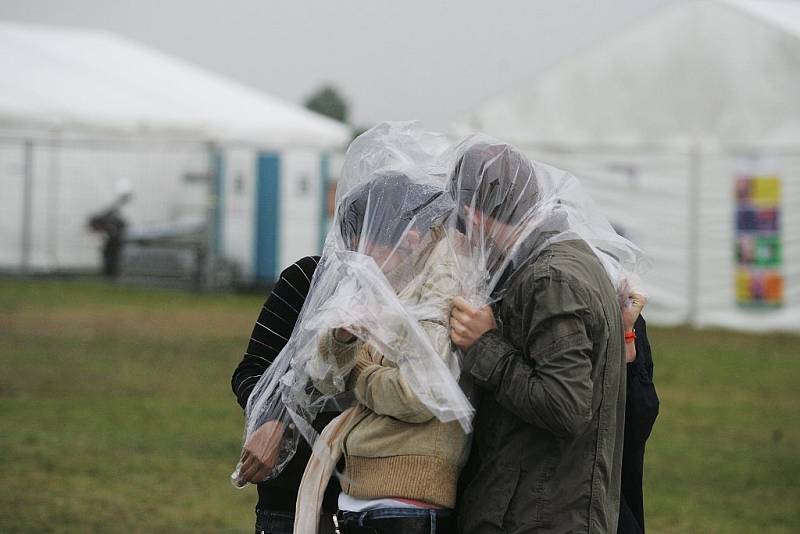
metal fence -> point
(162, 189)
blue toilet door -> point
(267, 217)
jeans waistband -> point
(392, 520)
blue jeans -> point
(392, 520)
(275, 522)
(272, 522)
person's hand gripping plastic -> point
(260, 453)
(468, 323)
(630, 312)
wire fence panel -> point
(51, 189)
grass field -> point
(116, 416)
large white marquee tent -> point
(83, 110)
(661, 122)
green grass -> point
(116, 409)
(723, 456)
(116, 415)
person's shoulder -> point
(303, 267)
(300, 273)
(308, 262)
(575, 262)
(571, 252)
(563, 265)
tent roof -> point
(725, 71)
(782, 14)
(95, 81)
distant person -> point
(275, 509)
(111, 223)
(641, 409)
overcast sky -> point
(405, 59)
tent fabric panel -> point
(239, 207)
(718, 266)
(300, 203)
(644, 195)
(12, 161)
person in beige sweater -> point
(401, 462)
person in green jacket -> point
(548, 357)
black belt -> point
(397, 525)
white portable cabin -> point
(660, 122)
(83, 110)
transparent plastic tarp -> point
(387, 243)
(418, 222)
(510, 208)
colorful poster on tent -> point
(758, 247)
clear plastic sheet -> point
(387, 243)
(418, 222)
(510, 208)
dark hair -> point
(496, 179)
(382, 209)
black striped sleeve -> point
(274, 325)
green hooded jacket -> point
(547, 451)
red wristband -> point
(630, 337)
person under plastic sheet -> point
(641, 409)
(549, 359)
(402, 463)
(275, 509)
(349, 289)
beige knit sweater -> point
(395, 447)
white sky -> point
(409, 59)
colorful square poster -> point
(758, 246)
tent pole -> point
(694, 229)
(27, 207)
(212, 215)
(53, 184)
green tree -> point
(327, 101)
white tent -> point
(81, 110)
(100, 82)
(661, 122)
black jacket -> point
(641, 409)
(270, 334)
